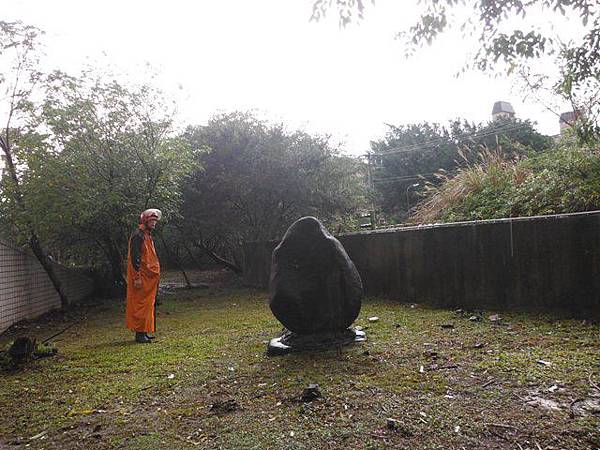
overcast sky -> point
(223, 55)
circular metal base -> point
(290, 342)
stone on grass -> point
(392, 424)
(310, 393)
(314, 291)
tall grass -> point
(565, 179)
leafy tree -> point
(506, 43)
(19, 75)
(107, 153)
(257, 178)
(413, 154)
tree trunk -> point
(37, 250)
(192, 257)
(218, 259)
(116, 263)
(34, 242)
(175, 259)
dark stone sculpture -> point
(314, 291)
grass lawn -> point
(527, 382)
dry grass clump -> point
(493, 171)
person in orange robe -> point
(143, 275)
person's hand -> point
(137, 283)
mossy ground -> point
(461, 387)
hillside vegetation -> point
(565, 179)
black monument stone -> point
(314, 291)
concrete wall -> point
(547, 262)
(25, 289)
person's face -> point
(151, 223)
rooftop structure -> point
(567, 119)
(502, 110)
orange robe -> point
(139, 312)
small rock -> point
(552, 388)
(475, 319)
(431, 353)
(392, 424)
(494, 318)
(310, 393)
(373, 319)
(543, 403)
(586, 407)
(222, 407)
(544, 363)
(459, 312)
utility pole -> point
(408, 199)
(371, 187)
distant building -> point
(567, 119)
(503, 110)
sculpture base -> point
(290, 342)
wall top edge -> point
(469, 223)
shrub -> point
(562, 180)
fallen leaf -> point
(37, 436)
(81, 412)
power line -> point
(406, 178)
(434, 142)
(479, 134)
(425, 145)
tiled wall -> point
(25, 289)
